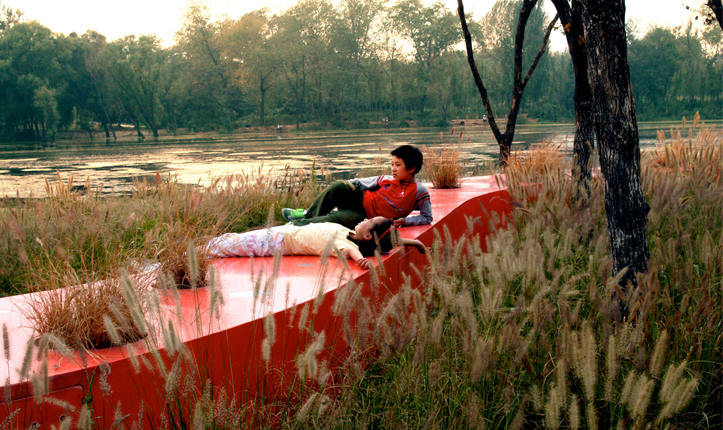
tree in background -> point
(617, 133)
(352, 64)
(356, 30)
(252, 44)
(211, 99)
(518, 83)
(9, 17)
(135, 66)
(31, 65)
(432, 32)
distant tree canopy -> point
(342, 64)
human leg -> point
(347, 217)
(340, 194)
(255, 243)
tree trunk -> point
(584, 141)
(617, 131)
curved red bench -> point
(227, 349)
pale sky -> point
(162, 17)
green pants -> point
(347, 198)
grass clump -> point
(444, 168)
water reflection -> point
(24, 168)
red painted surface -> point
(227, 346)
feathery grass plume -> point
(6, 342)
(324, 404)
(27, 359)
(574, 412)
(561, 379)
(216, 300)
(434, 372)
(131, 354)
(473, 407)
(118, 417)
(112, 330)
(42, 346)
(134, 303)
(304, 316)
(304, 411)
(266, 350)
(553, 407)
(306, 363)
(173, 379)
(171, 341)
(591, 415)
(85, 420)
(611, 364)
(7, 392)
(676, 391)
(656, 359)
(585, 359)
(625, 394)
(640, 397)
(41, 382)
(199, 421)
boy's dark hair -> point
(382, 240)
(411, 156)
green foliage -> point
(325, 63)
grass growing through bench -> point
(523, 336)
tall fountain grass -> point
(525, 336)
(521, 336)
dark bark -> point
(617, 132)
(519, 83)
(717, 8)
(584, 127)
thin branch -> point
(543, 48)
(475, 72)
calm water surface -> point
(24, 168)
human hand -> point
(420, 246)
(399, 222)
(363, 263)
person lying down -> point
(312, 239)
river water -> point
(111, 166)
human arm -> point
(357, 256)
(423, 205)
(371, 183)
(414, 242)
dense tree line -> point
(335, 64)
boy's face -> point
(363, 230)
(400, 171)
